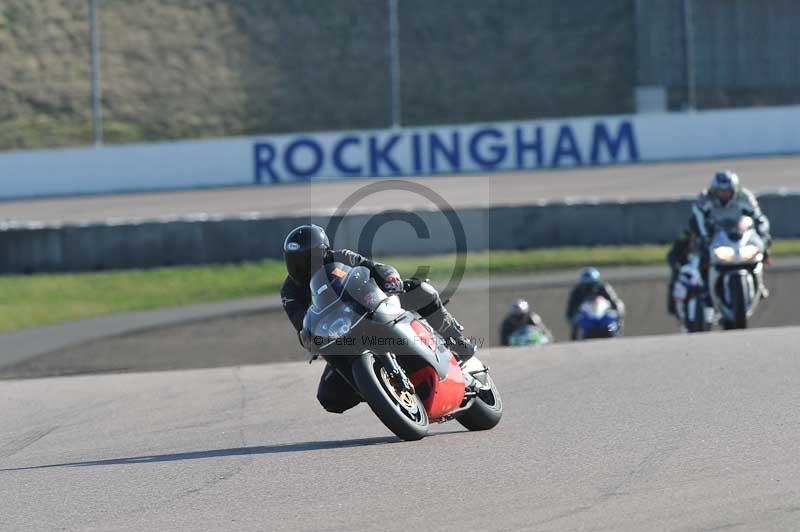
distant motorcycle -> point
(596, 318)
(736, 270)
(528, 335)
(398, 363)
(690, 301)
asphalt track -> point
(633, 182)
(661, 433)
(228, 334)
(651, 433)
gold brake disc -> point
(403, 396)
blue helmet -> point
(724, 186)
(589, 275)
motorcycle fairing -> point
(746, 272)
(440, 395)
(351, 315)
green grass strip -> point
(35, 300)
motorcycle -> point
(736, 269)
(597, 319)
(400, 366)
(690, 302)
(528, 335)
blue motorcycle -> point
(597, 319)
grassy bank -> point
(30, 301)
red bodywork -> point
(424, 334)
(444, 395)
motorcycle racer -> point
(519, 315)
(305, 250)
(678, 255)
(589, 286)
(726, 199)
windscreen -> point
(351, 285)
(729, 225)
(596, 308)
(341, 295)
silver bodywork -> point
(736, 272)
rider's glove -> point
(393, 284)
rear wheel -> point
(401, 411)
(486, 409)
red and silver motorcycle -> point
(396, 362)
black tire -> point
(408, 423)
(738, 303)
(487, 409)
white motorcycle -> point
(688, 292)
(736, 270)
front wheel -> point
(739, 302)
(401, 411)
(487, 408)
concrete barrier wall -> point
(487, 147)
(28, 249)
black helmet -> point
(304, 251)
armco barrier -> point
(204, 240)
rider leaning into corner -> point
(305, 250)
(725, 200)
(590, 286)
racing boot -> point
(421, 296)
(453, 333)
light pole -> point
(97, 95)
(688, 33)
(394, 65)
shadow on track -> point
(235, 451)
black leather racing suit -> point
(334, 393)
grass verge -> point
(35, 300)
